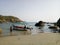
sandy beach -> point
(38, 39)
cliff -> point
(9, 19)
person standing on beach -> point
(24, 27)
(10, 28)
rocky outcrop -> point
(58, 22)
(40, 23)
(53, 27)
(9, 19)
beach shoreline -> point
(36, 39)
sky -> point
(31, 10)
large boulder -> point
(58, 22)
(40, 23)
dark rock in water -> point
(40, 23)
(52, 27)
(37, 24)
(58, 31)
(58, 22)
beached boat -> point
(19, 27)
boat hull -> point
(18, 28)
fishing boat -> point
(21, 27)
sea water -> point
(6, 28)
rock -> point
(58, 23)
(40, 23)
(53, 27)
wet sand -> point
(37, 39)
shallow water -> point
(6, 29)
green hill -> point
(9, 19)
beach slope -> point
(38, 39)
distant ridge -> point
(9, 19)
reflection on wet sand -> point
(0, 32)
(0, 35)
(20, 32)
(16, 33)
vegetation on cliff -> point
(9, 19)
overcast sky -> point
(32, 10)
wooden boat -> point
(19, 28)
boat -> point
(19, 27)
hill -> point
(9, 19)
